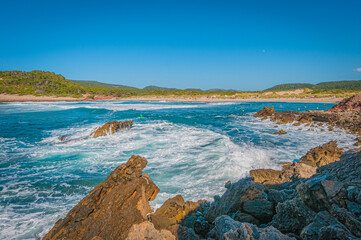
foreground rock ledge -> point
(112, 207)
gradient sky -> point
(244, 45)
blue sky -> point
(244, 45)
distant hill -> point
(85, 83)
(344, 85)
(152, 87)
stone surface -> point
(280, 132)
(352, 103)
(260, 209)
(322, 155)
(111, 128)
(265, 112)
(146, 230)
(112, 207)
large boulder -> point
(111, 128)
(112, 207)
(322, 155)
(146, 230)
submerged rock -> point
(112, 207)
(111, 127)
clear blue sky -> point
(245, 45)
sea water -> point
(192, 149)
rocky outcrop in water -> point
(322, 155)
(111, 128)
(111, 209)
(345, 115)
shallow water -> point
(192, 149)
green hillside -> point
(152, 87)
(85, 83)
(344, 85)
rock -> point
(352, 103)
(335, 232)
(265, 112)
(280, 132)
(276, 196)
(226, 229)
(62, 138)
(322, 155)
(289, 173)
(292, 216)
(146, 230)
(348, 219)
(173, 211)
(244, 217)
(183, 233)
(259, 208)
(354, 208)
(112, 207)
(222, 225)
(323, 219)
(111, 128)
(232, 200)
(284, 117)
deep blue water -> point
(192, 149)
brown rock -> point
(322, 155)
(352, 103)
(111, 127)
(146, 230)
(112, 207)
(284, 117)
(265, 112)
(172, 212)
(62, 138)
(280, 132)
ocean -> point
(192, 149)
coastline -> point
(7, 98)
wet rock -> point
(292, 216)
(265, 112)
(146, 230)
(62, 138)
(111, 128)
(284, 117)
(259, 208)
(322, 155)
(112, 207)
(280, 132)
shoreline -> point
(9, 98)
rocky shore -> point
(318, 197)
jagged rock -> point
(276, 196)
(322, 220)
(183, 233)
(289, 173)
(352, 103)
(348, 219)
(244, 217)
(232, 200)
(111, 127)
(227, 229)
(335, 233)
(354, 208)
(280, 132)
(112, 207)
(322, 155)
(284, 117)
(146, 230)
(265, 112)
(259, 208)
(173, 212)
(292, 216)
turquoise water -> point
(192, 149)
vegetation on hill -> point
(85, 83)
(346, 85)
(40, 83)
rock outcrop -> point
(345, 115)
(322, 155)
(111, 209)
(305, 168)
(111, 128)
(280, 132)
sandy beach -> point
(31, 98)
